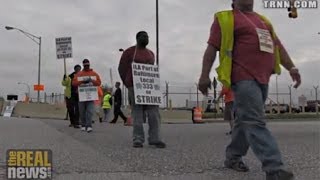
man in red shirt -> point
(228, 108)
(140, 54)
(251, 70)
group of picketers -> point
(81, 113)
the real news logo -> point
(279, 4)
(29, 164)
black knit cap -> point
(86, 62)
(76, 66)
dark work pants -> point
(117, 113)
(73, 110)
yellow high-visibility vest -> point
(226, 22)
(106, 103)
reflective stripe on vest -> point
(226, 22)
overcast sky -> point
(100, 27)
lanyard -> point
(135, 53)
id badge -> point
(265, 40)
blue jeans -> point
(86, 112)
(138, 113)
(250, 127)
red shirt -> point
(144, 56)
(248, 62)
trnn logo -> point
(29, 164)
(279, 4)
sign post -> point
(146, 83)
(64, 50)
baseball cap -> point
(86, 62)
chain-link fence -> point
(186, 95)
(50, 98)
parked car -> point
(295, 109)
(273, 108)
(311, 106)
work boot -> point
(137, 145)
(237, 166)
(158, 144)
(280, 175)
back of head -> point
(118, 84)
(77, 68)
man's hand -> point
(295, 75)
(87, 80)
(203, 85)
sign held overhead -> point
(64, 47)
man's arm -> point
(287, 63)
(207, 62)
(214, 43)
(124, 65)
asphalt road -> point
(194, 151)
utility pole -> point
(157, 31)
(316, 105)
(278, 111)
(290, 104)
(111, 79)
(167, 94)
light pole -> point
(316, 89)
(290, 104)
(157, 30)
(277, 95)
(33, 38)
(28, 95)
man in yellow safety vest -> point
(250, 52)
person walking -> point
(87, 80)
(71, 97)
(117, 105)
(250, 52)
